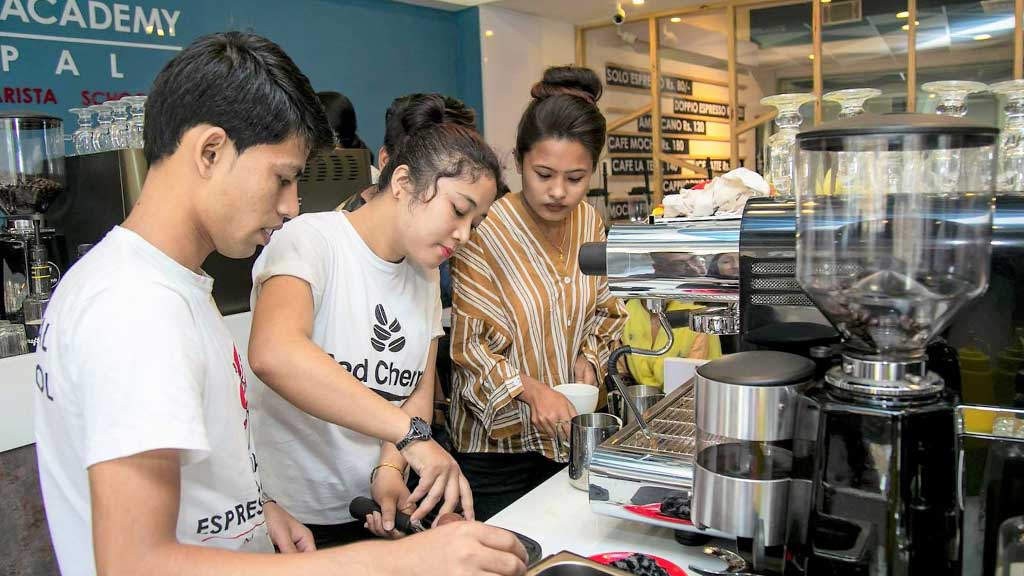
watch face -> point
(421, 428)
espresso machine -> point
(886, 475)
(32, 177)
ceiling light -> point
(826, 1)
(903, 14)
(675, 19)
(906, 27)
(983, 37)
(488, 33)
(810, 56)
(638, 2)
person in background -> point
(455, 112)
(524, 318)
(643, 330)
(143, 435)
(341, 115)
(346, 316)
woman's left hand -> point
(287, 533)
(390, 492)
(583, 372)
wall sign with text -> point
(704, 108)
(673, 125)
(642, 144)
(634, 78)
(673, 185)
(637, 165)
(57, 54)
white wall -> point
(513, 59)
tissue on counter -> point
(725, 195)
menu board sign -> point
(636, 166)
(671, 186)
(642, 144)
(703, 108)
(633, 78)
(673, 125)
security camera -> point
(620, 15)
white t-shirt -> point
(134, 356)
(377, 319)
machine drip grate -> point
(673, 429)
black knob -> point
(594, 259)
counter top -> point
(558, 517)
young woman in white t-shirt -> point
(346, 316)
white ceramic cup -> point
(582, 396)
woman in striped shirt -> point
(524, 318)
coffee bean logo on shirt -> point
(383, 332)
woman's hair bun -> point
(423, 113)
(573, 80)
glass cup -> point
(137, 122)
(851, 101)
(851, 104)
(952, 95)
(1010, 171)
(781, 145)
(102, 138)
(15, 343)
(119, 128)
(82, 137)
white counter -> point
(558, 517)
(18, 389)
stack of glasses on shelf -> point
(119, 124)
(952, 101)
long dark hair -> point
(341, 115)
(564, 107)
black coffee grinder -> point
(894, 222)
(31, 176)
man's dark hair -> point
(240, 82)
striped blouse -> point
(521, 306)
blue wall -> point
(371, 50)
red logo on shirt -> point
(237, 364)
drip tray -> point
(672, 428)
(650, 479)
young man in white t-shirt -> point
(143, 435)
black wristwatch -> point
(418, 430)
